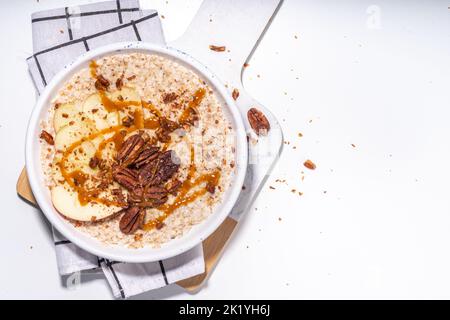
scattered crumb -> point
(162, 16)
(300, 135)
(279, 219)
(310, 121)
(293, 191)
(300, 193)
(309, 164)
(353, 145)
(235, 94)
(246, 65)
(295, 37)
(273, 188)
(61, 31)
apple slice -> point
(65, 200)
(94, 109)
(66, 113)
(56, 171)
(73, 132)
(127, 94)
(80, 157)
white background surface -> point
(376, 77)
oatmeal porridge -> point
(136, 150)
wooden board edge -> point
(23, 188)
(213, 248)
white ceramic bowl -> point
(199, 232)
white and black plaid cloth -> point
(60, 36)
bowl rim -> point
(124, 254)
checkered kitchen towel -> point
(59, 36)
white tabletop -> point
(374, 218)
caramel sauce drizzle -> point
(184, 198)
(93, 68)
(109, 104)
(192, 106)
(77, 178)
(150, 107)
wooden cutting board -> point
(238, 25)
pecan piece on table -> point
(258, 121)
(217, 48)
(235, 94)
(127, 178)
(309, 164)
(47, 137)
(101, 83)
(132, 220)
(130, 149)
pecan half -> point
(166, 167)
(130, 149)
(258, 121)
(154, 193)
(147, 173)
(147, 155)
(309, 164)
(132, 220)
(159, 170)
(101, 83)
(126, 177)
(172, 186)
(47, 137)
